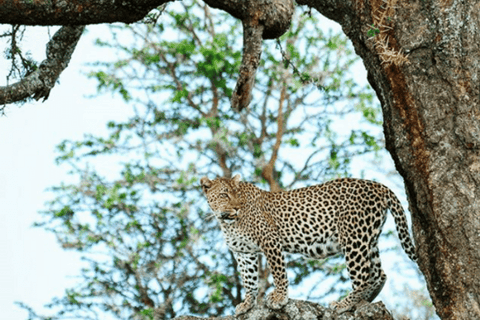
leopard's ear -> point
(205, 183)
(236, 179)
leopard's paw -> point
(341, 306)
(244, 307)
(276, 300)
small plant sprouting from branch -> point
(373, 31)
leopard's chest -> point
(239, 241)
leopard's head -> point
(223, 196)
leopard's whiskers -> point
(210, 216)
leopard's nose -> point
(228, 215)
(224, 215)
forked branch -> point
(39, 83)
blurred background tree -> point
(135, 210)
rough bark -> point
(305, 310)
(430, 100)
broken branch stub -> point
(252, 50)
(261, 19)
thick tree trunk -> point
(423, 60)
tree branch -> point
(41, 81)
(252, 50)
(274, 15)
(75, 12)
(261, 19)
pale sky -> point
(33, 267)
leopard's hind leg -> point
(377, 276)
(359, 267)
(364, 268)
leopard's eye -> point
(223, 195)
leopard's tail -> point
(401, 224)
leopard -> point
(344, 216)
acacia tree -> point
(162, 253)
(421, 56)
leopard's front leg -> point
(248, 265)
(273, 251)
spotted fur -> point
(340, 216)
